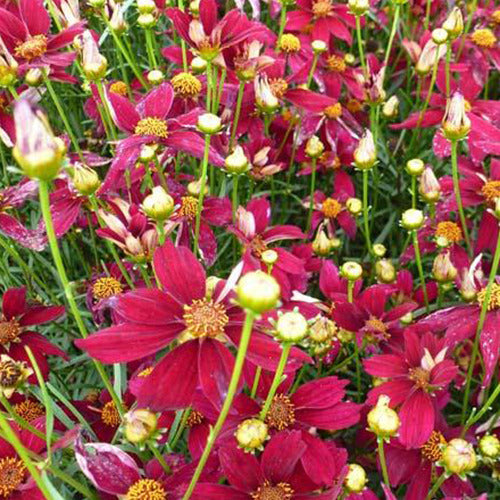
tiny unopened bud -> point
(456, 124)
(194, 188)
(351, 270)
(355, 480)
(257, 291)
(349, 59)
(379, 250)
(314, 147)
(454, 23)
(139, 425)
(209, 123)
(459, 457)
(198, 65)
(146, 6)
(251, 434)
(319, 46)
(237, 162)
(354, 206)
(146, 21)
(385, 271)
(158, 205)
(359, 7)
(194, 7)
(430, 53)
(365, 154)
(390, 109)
(117, 21)
(443, 269)
(415, 167)
(321, 244)
(291, 327)
(33, 77)
(407, 319)
(94, 64)
(264, 96)
(155, 77)
(489, 446)
(85, 180)
(147, 154)
(412, 219)
(439, 36)
(322, 330)
(383, 420)
(269, 257)
(429, 187)
(468, 290)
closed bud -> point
(412, 219)
(158, 205)
(428, 56)
(454, 23)
(8, 67)
(354, 206)
(194, 188)
(439, 36)
(237, 162)
(443, 270)
(407, 319)
(379, 250)
(468, 290)
(365, 154)
(489, 446)
(351, 270)
(198, 65)
(359, 7)
(85, 180)
(390, 109)
(385, 271)
(251, 434)
(94, 64)
(33, 77)
(415, 167)
(314, 147)
(147, 154)
(146, 21)
(429, 187)
(13, 374)
(155, 77)
(322, 330)
(291, 327)
(319, 46)
(321, 245)
(139, 425)
(146, 6)
(257, 291)
(459, 457)
(269, 257)
(349, 59)
(264, 97)
(456, 124)
(382, 420)
(355, 480)
(209, 123)
(117, 21)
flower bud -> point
(117, 21)
(456, 124)
(33, 77)
(146, 6)
(415, 167)
(354, 206)
(468, 290)
(147, 154)
(355, 480)
(158, 205)
(319, 46)
(430, 53)
(13, 374)
(139, 425)
(269, 257)
(251, 434)
(390, 109)
(94, 64)
(37, 150)
(314, 147)
(198, 65)
(194, 188)
(209, 123)
(407, 319)
(146, 21)
(8, 67)
(365, 154)
(257, 291)
(496, 210)
(379, 250)
(459, 457)
(349, 59)
(412, 219)
(322, 330)
(359, 7)
(454, 23)
(85, 180)
(429, 187)
(382, 420)
(155, 77)
(351, 270)
(321, 244)
(439, 36)
(489, 446)
(291, 327)
(385, 271)
(442, 269)
(237, 162)
(264, 96)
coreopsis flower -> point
(247, 60)
(26, 35)
(8, 66)
(17, 320)
(484, 46)
(202, 323)
(404, 289)
(417, 374)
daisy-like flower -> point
(416, 375)
(201, 322)
(484, 46)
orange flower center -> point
(278, 87)
(146, 489)
(354, 106)
(189, 207)
(336, 64)
(152, 126)
(31, 49)
(205, 318)
(289, 43)
(194, 418)
(258, 246)
(495, 17)
(449, 230)
(186, 85)
(12, 473)
(323, 8)
(281, 491)
(119, 88)
(491, 190)
(334, 111)
(107, 287)
(494, 299)
(29, 410)
(420, 376)
(331, 208)
(9, 331)
(10, 373)
(377, 325)
(110, 414)
(484, 38)
(281, 413)
(431, 450)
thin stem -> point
(311, 193)
(150, 49)
(447, 68)
(239, 100)
(413, 192)
(366, 222)
(286, 347)
(418, 259)
(440, 480)
(255, 385)
(472, 12)
(208, 72)
(360, 46)
(357, 360)
(231, 391)
(458, 196)
(203, 183)
(383, 464)
(393, 33)
(282, 25)
(156, 452)
(313, 69)
(234, 196)
(427, 14)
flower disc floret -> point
(9, 331)
(205, 318)
(494, 300)
(322, 8)
(281, 413)
(484, 38)
(106, 287)
(29, 410)
(186, 85)
(110, 414)
(432, 449)
(450, 231)
(12, 472)
(152, 126)
(267, 491)
(146, 489)
(331, 208)
(32, 48)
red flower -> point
(415, 375)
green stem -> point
(439, 482)
(413, 192)
(234, 197)
(393, 33)
(383, 464)
(313, 69)
(150, 49)
(282, 25)
(357, 360)
(180, 429)
(427, 14)
(360, 46)
(19, 420)
(231, 391)
(208, 72)
(311, 193)
(468, 24)
(156, 452)
(237, 111)
(255, 385)
(366, 221)
(286, 348)
(201, 197)
(418, 259)
(447, 68)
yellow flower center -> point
(449, 230)
(494, 300)
(420, 376)
(189, 207)
(119, 88)
(336, 64)
(146, 489)
(376, 325)
(289, 43)
(107, 287)
(194, 418)
(186, 85)
(205, 318)
(484, 37)
(152, 126)
(12, 473)
(495, 17)
(323, 8)
(281, 491)
(9, 331)
(278, 87)
(331, 208)
(146, 372)
(10, 373)
(491, 191)
(431, 450)
(32, 48)
(29, 410)
(110, 414)
(354, 106)
(334, 111)
(281, 413)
